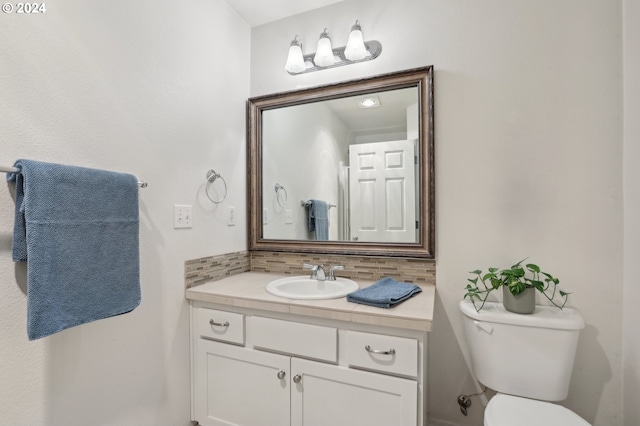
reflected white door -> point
(382, 192)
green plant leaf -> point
(539, 285)
(496, 283)
(518, 264)
(513, 272)
(533, 268)
(488, 276)
(477, 272)
(473, 280)
(549, 276)
(516, 287)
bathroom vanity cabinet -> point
(261, 360)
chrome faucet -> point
(321, 275)
(318, 272)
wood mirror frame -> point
(422, 79)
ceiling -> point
(258, 12)
(390, 115)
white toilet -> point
(527, 359)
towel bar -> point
(5, 169)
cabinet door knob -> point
(224, 324)
(380, 351)
(281, 374)
(297, 378)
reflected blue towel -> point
(385, 293)
(318, 219)
(77, 229)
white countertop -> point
(248, 290)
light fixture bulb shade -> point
(355, 50)
(324, 54)
(295, 60)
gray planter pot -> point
(523, 303)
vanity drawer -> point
(220, 325)
(306, 340)
(389, 354)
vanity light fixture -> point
(324, 55)
(295, 60)
(357, 50)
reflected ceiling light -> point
(369, 102)
(357, 50)
(324, 55)
(295, 60)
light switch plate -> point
(182, 216)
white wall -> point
(528, 142)
(631, 354)
(139, 87)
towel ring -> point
(278, 188)
(211, 177)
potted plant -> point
(519, 284)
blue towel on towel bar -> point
(385, 293)
(318, 219)
(77, 229)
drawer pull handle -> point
(379, 351)
(297, 378)
(224, 324)
(281, 374)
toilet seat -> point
(508, 410)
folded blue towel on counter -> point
(385, 293)
(77, 229)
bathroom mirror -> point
(359, 153)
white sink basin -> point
(303, 287)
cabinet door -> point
(340, 396)
(240, 387)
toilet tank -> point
(525, 355)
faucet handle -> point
(314, 270)
(332, 276)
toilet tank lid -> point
(542, 317)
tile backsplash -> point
(214, 268)
(372, 268)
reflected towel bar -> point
(5, 169)
(306, 203)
